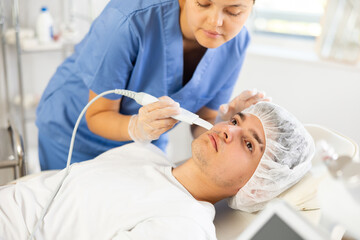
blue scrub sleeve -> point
(106, 59)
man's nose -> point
(215, 17)
(226, 132)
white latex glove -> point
(239, 103)
(153, 120)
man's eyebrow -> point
(255, 135)
(242, 116)
(257, 138)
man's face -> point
(230, 152)
(214, 22)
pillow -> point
(303, 195)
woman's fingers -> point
(153, 113)
(162, 103)
(154, 119)
(258, 97)
(153, 129)
(244, 100)
(164, 123)
(247, 94)
(163, 113)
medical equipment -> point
(338, 207)
(142, 99)
(350, 176)
(280, 221)
(12, 150)
(339, 196)
(184, 116)
(347, 171)
(12, 147)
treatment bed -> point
(302, 197)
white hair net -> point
(287, 157)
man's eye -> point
(233, 121)
(249, 146)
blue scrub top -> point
(135, 45)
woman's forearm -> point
(110, 125)
(103, 118)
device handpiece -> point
(184, 116)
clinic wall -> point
(314, 91)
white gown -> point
(126, 193)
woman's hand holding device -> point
(153, 120)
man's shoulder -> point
(136, 154)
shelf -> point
(30, 44)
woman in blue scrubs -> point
(189, 50)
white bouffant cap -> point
(287, 157)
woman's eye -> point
(202, 5)
(233, 121)
(249, 146)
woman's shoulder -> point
(128, 7)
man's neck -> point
(196, 183)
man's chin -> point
(199, 150)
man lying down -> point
(133, 192)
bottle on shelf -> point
(45, 26)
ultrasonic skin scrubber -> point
(184, 116)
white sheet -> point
(119, 195)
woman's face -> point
(213, 22)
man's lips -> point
(213, 140)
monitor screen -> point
(276, 228)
